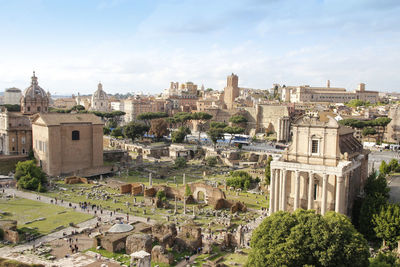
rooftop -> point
(51, 119)
(120, 228)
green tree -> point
(117, 132)
(180, 163)
(148, 116)
(369, 131)
(77, 108)
(376, 195)
(240, 179)
(387, 224)
(201, 118)
(233, 130)
(179, 135)
(215, 134)
(160, 195)
(388, 259)
(12, 107)
(211, 161)
(135, 130)
(106, 130)
(188, 192)
(384, 168)
(159, 128)
(268, 170)
(304, 238)
(356, 103)
(238, 119)
(393, 165)
(29, 176)
(218, 124)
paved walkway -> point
(8, 251)
(251, 226)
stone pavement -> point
(251, 226)
(14, 252)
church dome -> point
(35, 90)
(100, 94)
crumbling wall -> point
(75, 180)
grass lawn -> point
(9, 263)
(236, 258)
(121, 257)
(24, 210)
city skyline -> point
(142, 46)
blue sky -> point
(142, 45)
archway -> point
(201, 197)
(200, 194)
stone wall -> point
(9, 228)
(138, 242)
(191, 235)
(75, 180)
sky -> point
(142, 45)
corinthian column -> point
(324, 193)
(276, 196)
(284, 190)
(297, 191)
(339, 195)
(310, 203)
(272, 192)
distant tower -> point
(328, 84)
(99, 100)
(231, 90)
(361, 87)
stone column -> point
(184, 179)
(339, 195)
(297, 191)
(272, 192)
(276, 195)
(310, 203)
(280, 188)
(324, 193)
(184, 205)
(284, 190)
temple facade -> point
(324, 168)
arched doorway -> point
(201, 197)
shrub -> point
(188, 192)
(211, 161)
(161, 195)
(180, 163)
(240, 179)
(29, 176)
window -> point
(38, 109)
(23, 140)
(314, 146)
(29, 108)
(75, 135)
